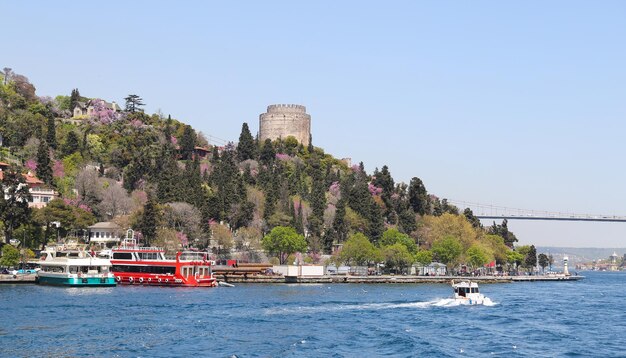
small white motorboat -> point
(467, 293)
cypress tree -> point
(246, 148)
(267, 153)
(70, 145)
(149, 220)
(51, 135)
(376, 225)
(167, 132)
(187, 143)
(418, 197)
(310, 146)
(44, 169)
(300, 220)
(74, 99)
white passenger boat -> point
(467, 293)
(61, 266)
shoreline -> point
(337, 279)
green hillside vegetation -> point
(144, 172)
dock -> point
(388, 279)
(331, 279)
(18, 279)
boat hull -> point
(76, 281)
(163, 280)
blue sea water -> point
(536, 319)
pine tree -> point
(44, 169)
(133, 103)
(51, 136)
(246, 148)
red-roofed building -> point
(41, 194)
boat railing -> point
(140, 248)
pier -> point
(18, 279)
(387, 279)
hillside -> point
(160, 177)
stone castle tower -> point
(283, 120)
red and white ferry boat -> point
(135, 265)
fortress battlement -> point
(286, 108)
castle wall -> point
(283, 120)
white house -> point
(104, 233)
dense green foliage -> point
(159, 176)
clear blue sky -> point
(519, 104)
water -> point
(536, 319)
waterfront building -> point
(104, 233)
(432, 269)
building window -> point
(45, 199)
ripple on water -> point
(528, 320)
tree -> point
(424, 257)
(358, 250)
(74, 99)
(514, 259)
(530, 261)
(476, 256)
(550, 261)
(187, 143)
(543, 261)
(149, 220)
(44, 168)
(10, 256)
(67, 216)
(418, 197)
(437, 227)
(246, 149)
(115, 201)
(393, 236)
(406, 221)
(283, 241)
(133, 102)
(268, 154)
(223, 236)
(503, 230)
(14, 203)
(51, 134)
(397, 257)
(447, 250)
(469, 215)
(70, 145)
(88, 187)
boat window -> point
(122, 256)
(59, 269)
(73, 269)
(161, 270)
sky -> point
(516, 104)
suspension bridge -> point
(489, 211)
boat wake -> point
(335, 307)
